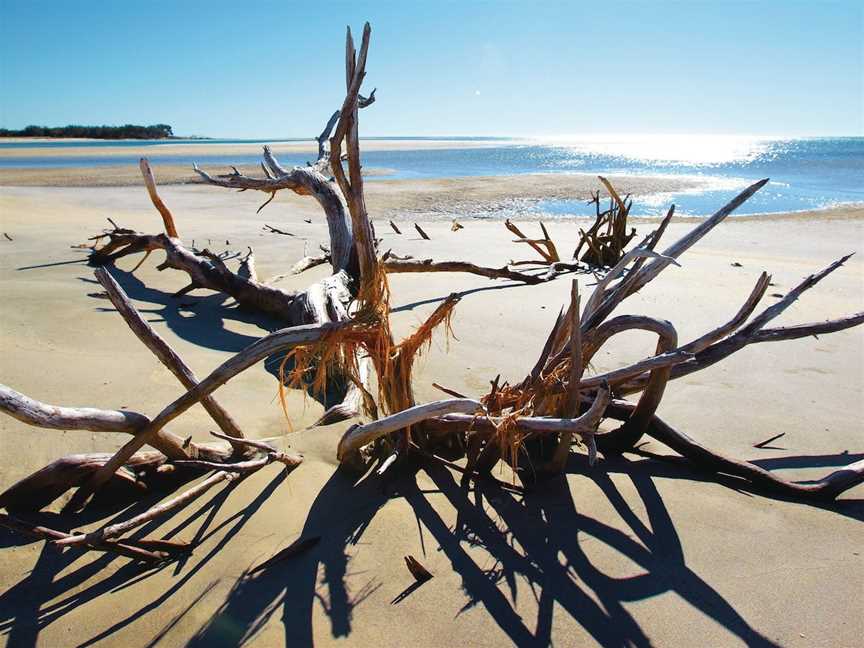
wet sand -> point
(634, 550)
(131, 147)
(445, 198)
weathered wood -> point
(352, 185)
(115, 530)
(50, 482)
(584, 425)
(607, 237)
(275, 342)
(577, 366)
(548, 402)
(703, 342)
(162, 350)
(303, 181)
(361, 435)
(45, 533)
(753, 332)
(245, 467)
(33, 412)
(687, 241)
(55, 417)
(827, 488)
(806, 330)
(549, 254)
(394, 266)
(308, 262)
(629, 434)
(150, 183)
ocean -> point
(806, 173)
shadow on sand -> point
(533, 537)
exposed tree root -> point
(607, 238)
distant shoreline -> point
(232, 141)
(476, 198)
(507, 177)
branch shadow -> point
(199, 319)
(537, 541)
(677, 467)
(462, 293)
(25, 606)
(51, 265)
(203, 320)
(293, 585)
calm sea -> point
(806, 173)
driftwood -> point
(162, 350)
(545, 246)
(393, 266)
(606, 239)
(39, 532)
(339, 328)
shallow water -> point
(806, 173)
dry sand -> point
(634, 551)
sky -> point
(267, 69)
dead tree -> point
(339, 328)
(606, 240)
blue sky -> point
(275, 69)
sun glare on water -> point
(674, 149)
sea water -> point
(806, 173)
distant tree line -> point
(129, 131)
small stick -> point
(418, 571)
(260, 445)
(422, 233)
(289, 460)
(451, 392)
(45, 533)
(762, 444)
(141, 262)
(395, 229)
(238, 467)
(8, 238)
(267, 202)
(114, 530)
(274, 230)
(513, 228)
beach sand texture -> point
(631, 551)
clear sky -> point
(275, 69)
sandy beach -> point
(166, 147)
(420, 199)
(633, 551)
